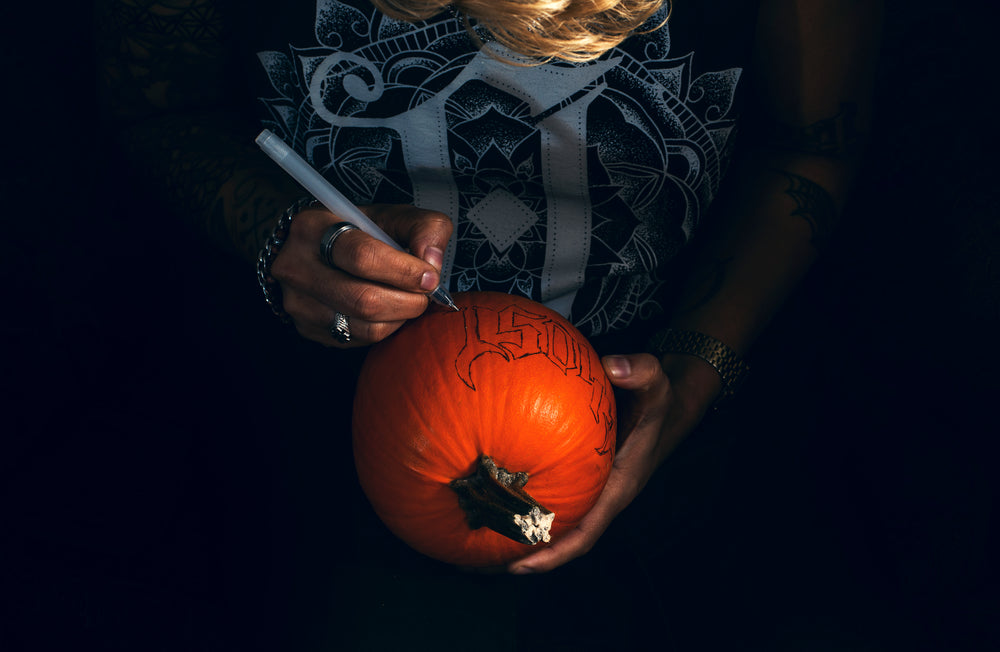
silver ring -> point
(340, 329)
(329, 237)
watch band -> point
(731, 367)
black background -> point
(169, 450)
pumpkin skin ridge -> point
(567, 452)
(432, 435)
(509, 455)
(457, 454)
(419, 465)
(421, 473)
(434, 438)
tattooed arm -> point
(814, 71)
(170, 86)
(165, 69)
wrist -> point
(272, 247)
(694, 381)
(706, 368)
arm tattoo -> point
(835, 136)
(813, 204)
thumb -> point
(636, 372)
(424, 232)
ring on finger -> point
(329, 237)
(340, 329)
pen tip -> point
(441, 296)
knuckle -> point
(309, 221)
(411, 274)
(368, 302)
(364, 253)
(282, 269)
(292, 303)
(441, 221)
(432, 222)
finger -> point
(575, 543)
(302, 264)
(637, 372)
(314, 320)
(363, 256)
(425, 233)
(311, 284)
(363, 333)
(649, 393)
(649, 388)
(366, 257)
(618, 492)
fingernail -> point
(435, 257)
(617, 366)
(428, 281)
(522, 570)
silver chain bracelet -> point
(268, 285)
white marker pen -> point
(335, 202)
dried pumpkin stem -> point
(494, 497)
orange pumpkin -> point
(484, 433)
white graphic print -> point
(568, 183)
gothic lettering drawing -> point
(514, 333)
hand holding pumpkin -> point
(375, 286)
(662, 412)
(506, 437)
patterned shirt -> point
(571, 184)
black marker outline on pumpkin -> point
(510, 344)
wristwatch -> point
(731, 367)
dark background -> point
(167, 457)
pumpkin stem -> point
(494, 497)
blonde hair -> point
(569, 30)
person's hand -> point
(375, 286)
(662, 412)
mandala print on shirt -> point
(572, 184)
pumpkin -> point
(482, 433)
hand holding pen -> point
(365, 285)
